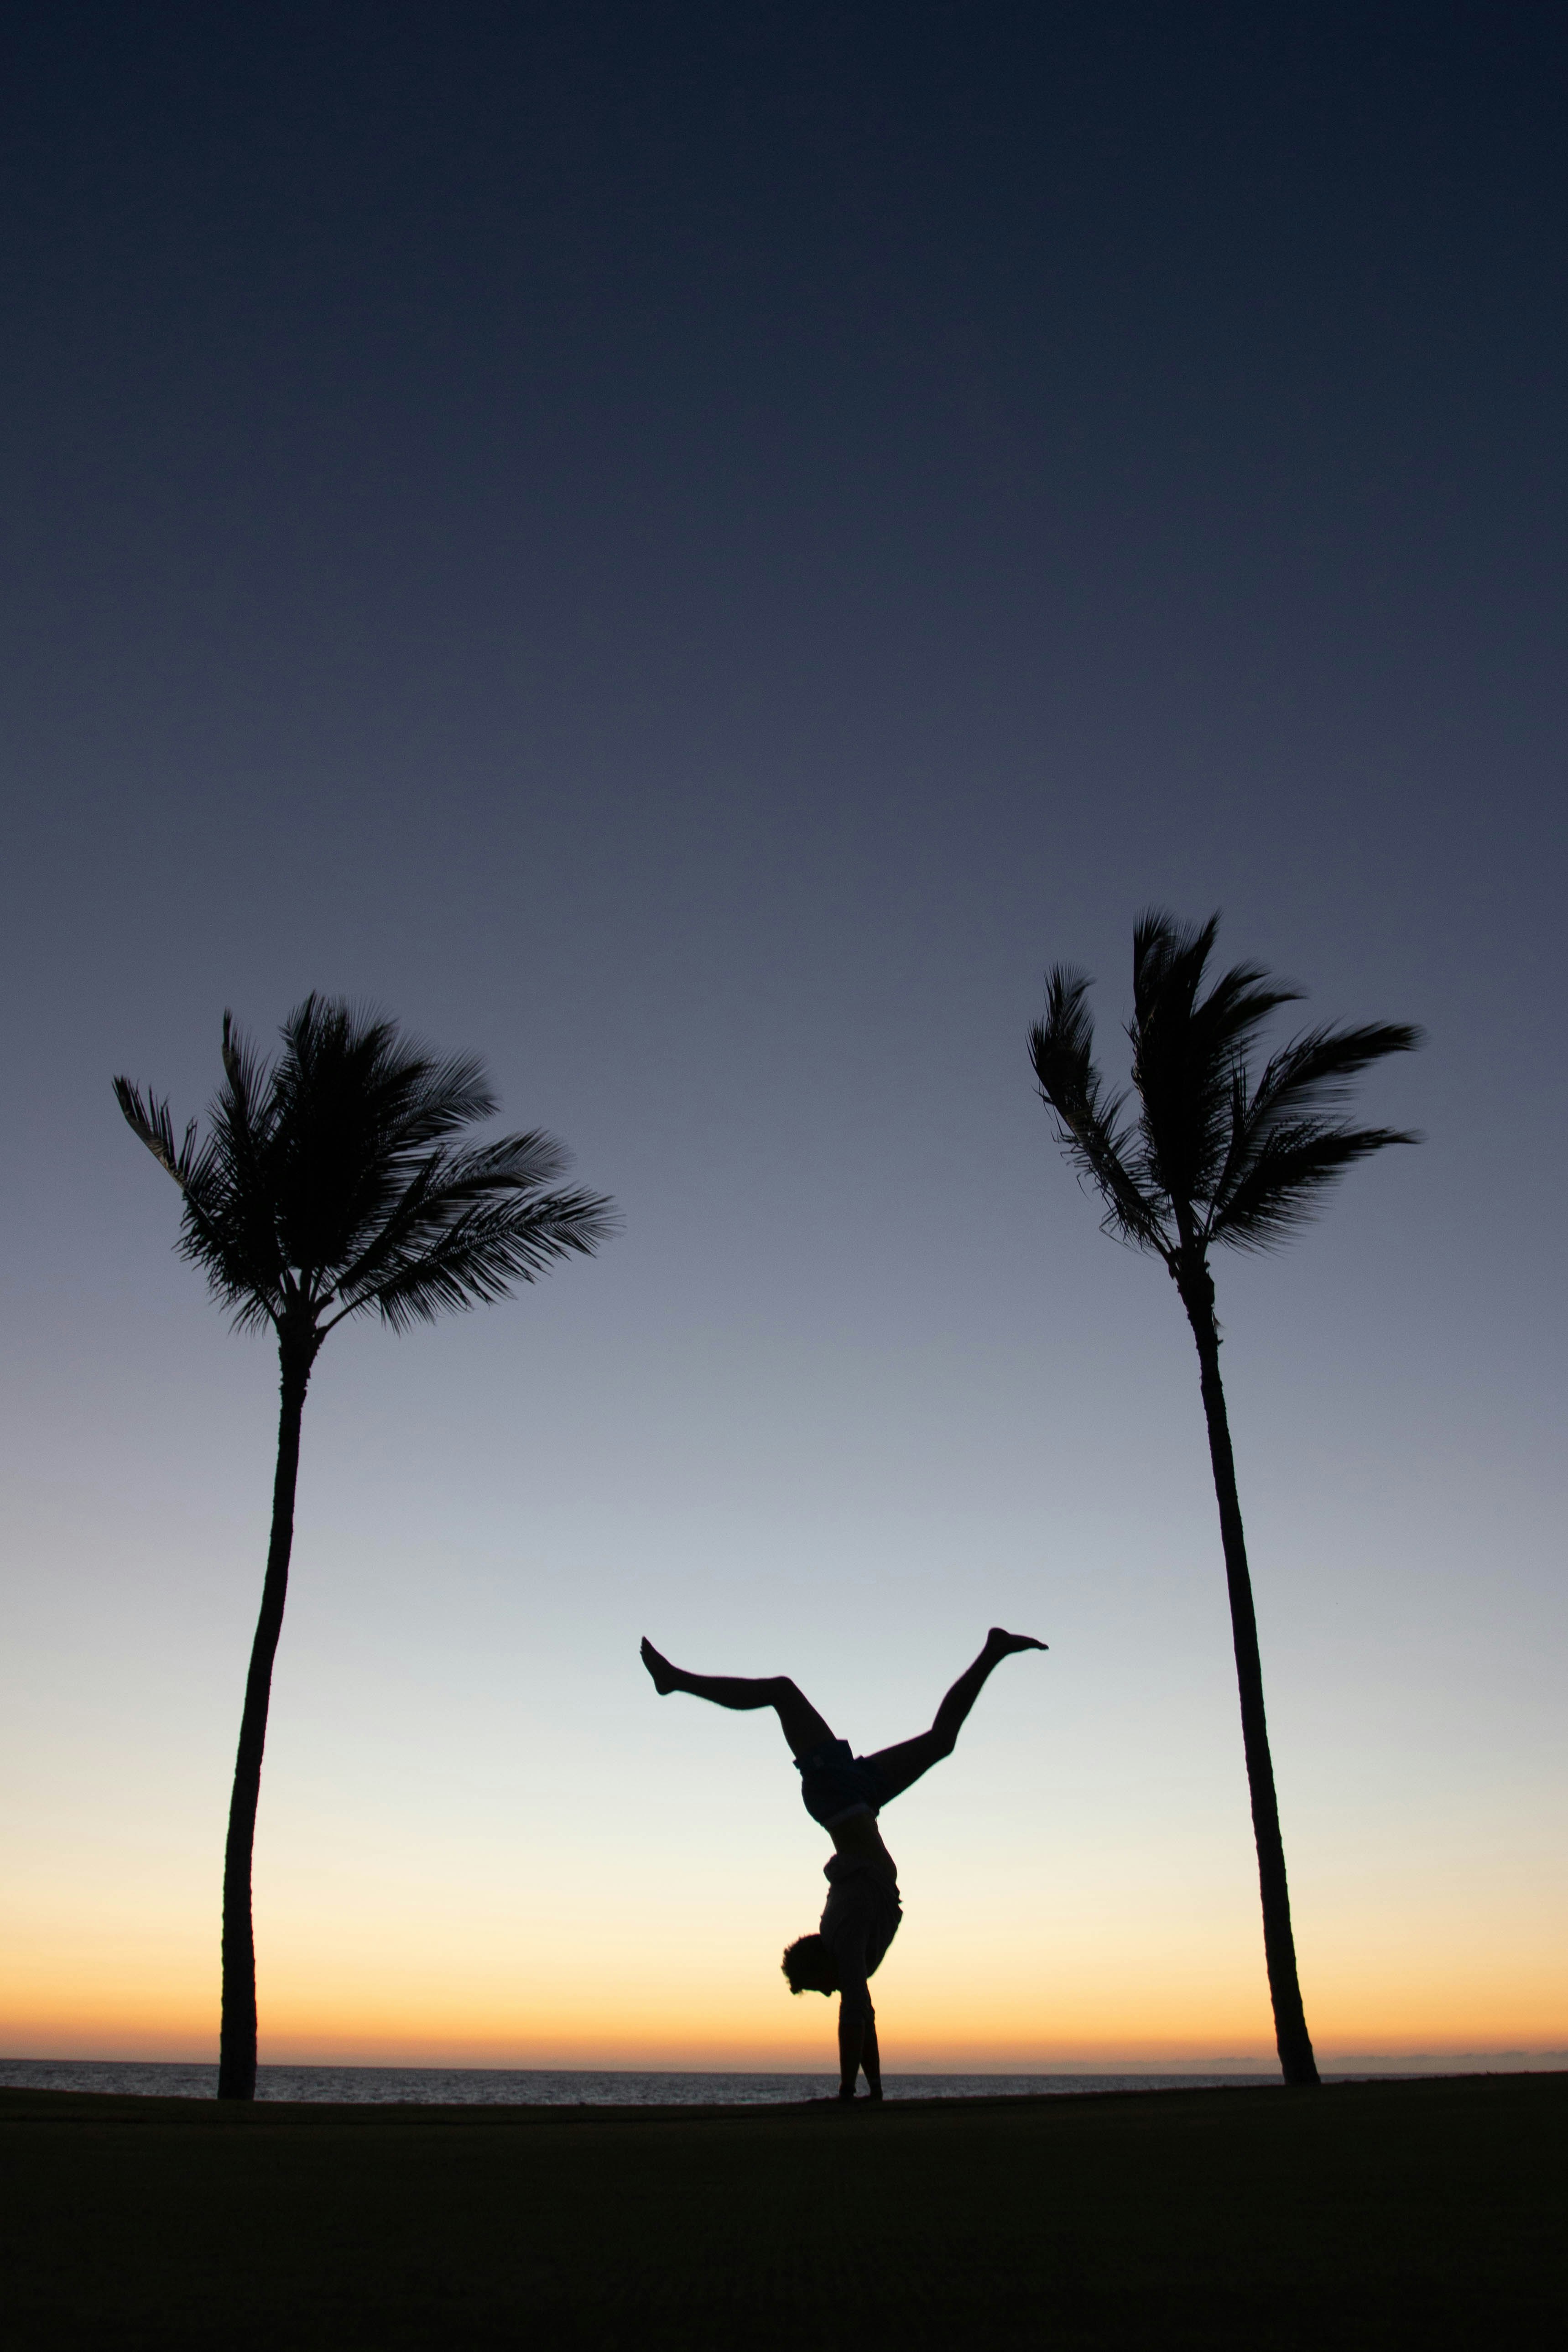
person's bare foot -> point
(1006, 1644)
(659, 1667)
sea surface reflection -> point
(546, 2087)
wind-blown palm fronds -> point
(329, 1186)
(1213, 1157)
(335, 1183)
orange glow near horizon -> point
(151, 2003)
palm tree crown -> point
(330, 1185)
(1211, 1156)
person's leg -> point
(802, 1726)
(898, 1767)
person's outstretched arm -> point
(856, 2018)
(857, 2039)
(871, 2057)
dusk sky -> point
(693, 550)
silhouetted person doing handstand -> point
(844, 1792)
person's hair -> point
(808, 1966)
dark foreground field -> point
(1379, 2215)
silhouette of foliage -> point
(330, 1186)
(1210, 1157)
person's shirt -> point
(861, 1918)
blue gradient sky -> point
(692, 551)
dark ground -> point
(1426, 2213)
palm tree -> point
(1214, 1157)
(333, 1185)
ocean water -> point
(534, 2087)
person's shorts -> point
(833, 1782)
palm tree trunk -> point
(1291, 2037)
(237, 2039)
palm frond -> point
(1316, 1069)
(1089, 1129)
(441, 1188)
(202, 1173)
(247, 1120)
(1283, 1119)
(151, 1120)
(334, 1052)
(1186, 1048)
(1283, 1187)
(361, 1107)
(478, 1257)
